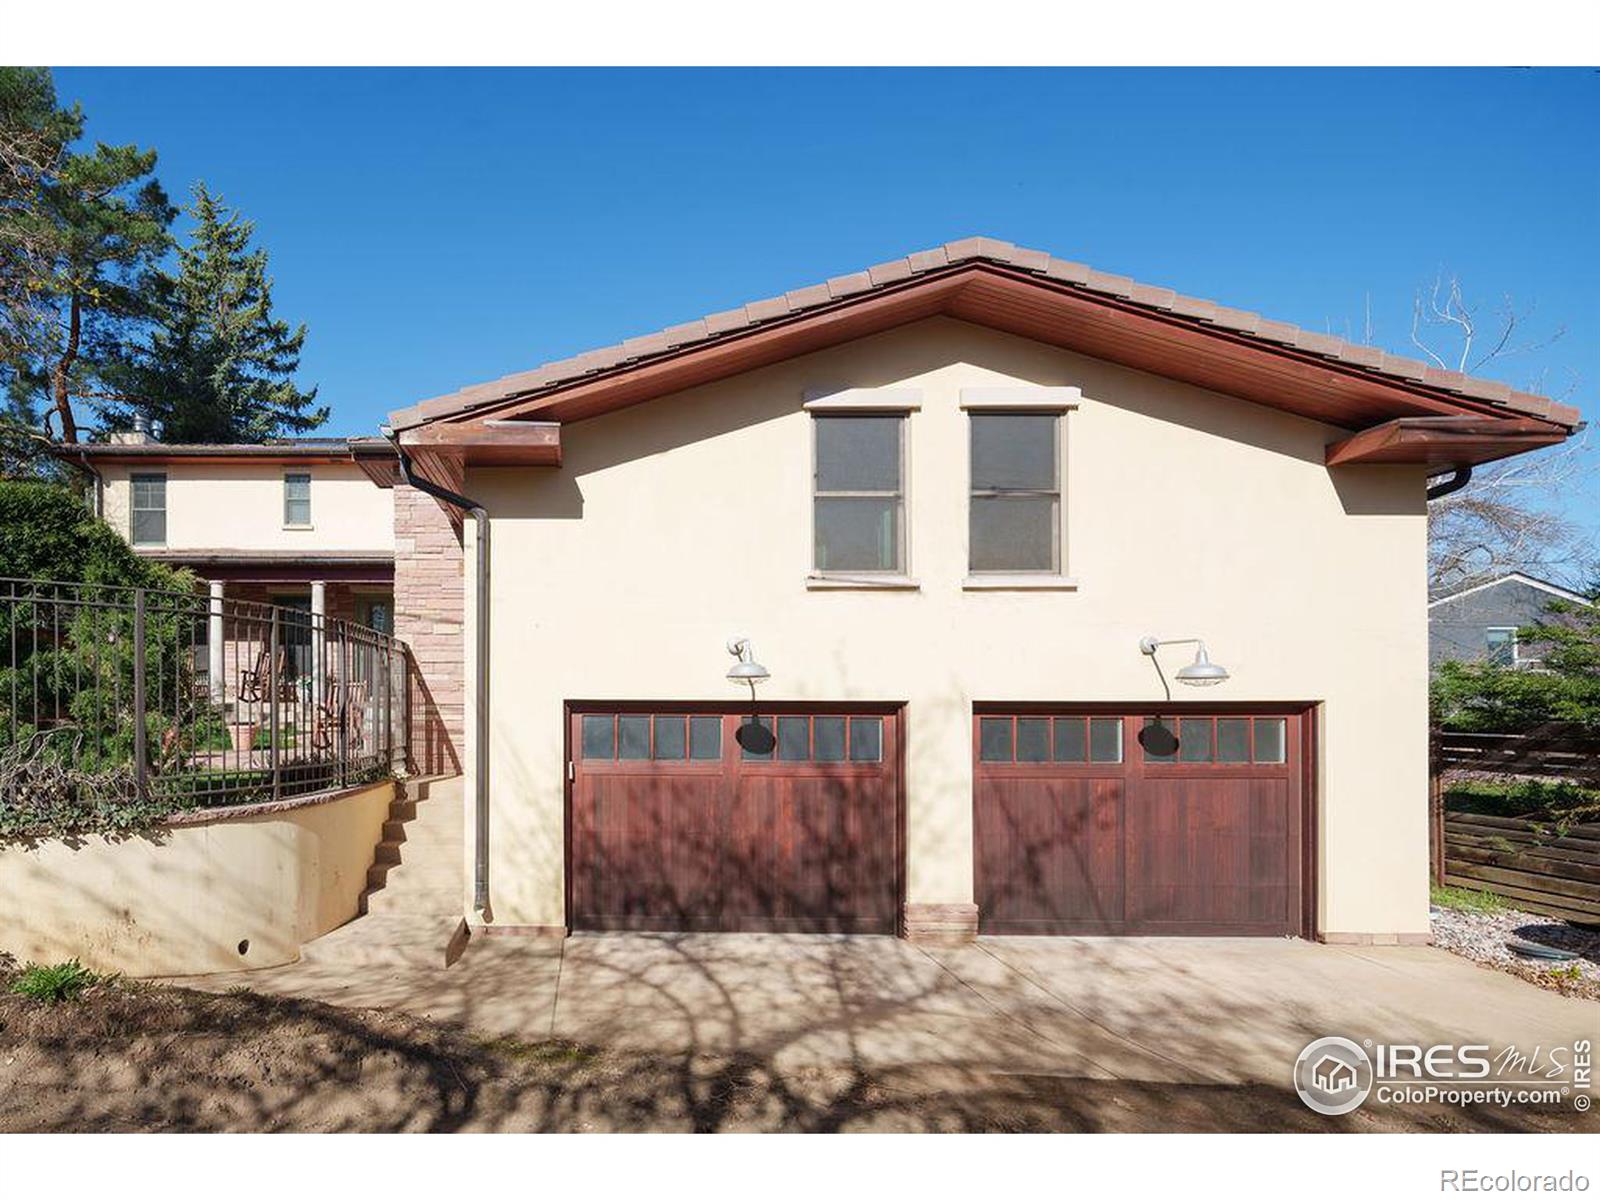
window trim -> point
(134, 477)
(1000, 402)
(898, 577)
(309, 522)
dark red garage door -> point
(1080, 829)
(674, 825)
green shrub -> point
(1557, 799)
(64, 981)
(263, 738)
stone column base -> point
(940, 924)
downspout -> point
(1458, 478)
(480, 732)
(97, 507)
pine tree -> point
(218, 366)
(80, 237)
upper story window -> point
(147, 510)
(1015, 515)
(1501, 646)
(297, 499)
(859, 493)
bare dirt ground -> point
(141, 1057)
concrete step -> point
(439, 902)
(391, 939)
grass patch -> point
(551, 1050)
(1467, 899)
(51, 985)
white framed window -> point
(297, 500)
(858, 493)
(1500, 645)
(1014, 504)
(147, 509)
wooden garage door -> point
(1078, 828)
(674, 825)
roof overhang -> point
(277, 566)
(488, 443)
(1311, 375)
(1445, 442)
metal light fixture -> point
(1202, 672)
(746, 669)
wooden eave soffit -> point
(487, 443)
(1445, 441)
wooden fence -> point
(1539, 864)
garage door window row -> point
(822, 739)
(1218, 740)
(643, 737)
(1045, 739)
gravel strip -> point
(1482, 937)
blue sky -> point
(437, 228)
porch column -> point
(216, 666)
(319, 646)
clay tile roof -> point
(962, 253)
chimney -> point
(139, 435)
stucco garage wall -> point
(180, 902)
(677, 523)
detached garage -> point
(1182, 821)
(693, 818)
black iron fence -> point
(179, 700)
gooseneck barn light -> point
(746, 669)
(1202, 672)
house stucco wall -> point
(675, 524)
(239, 506)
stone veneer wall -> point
(429, 591)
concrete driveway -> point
(1183, 1011)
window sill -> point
(1019, 583)
(862, 583)
(299, 528)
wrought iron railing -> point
(179, 700)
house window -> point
(297, 500)
(859, 494)
(1015, 514)
(1501, 646)
(147, 513)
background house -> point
(1479, 623)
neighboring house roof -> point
(1031, 293)
(1513, 577)
(275, 450)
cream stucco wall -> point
(183, 901)
(675, 524)
(238, 506)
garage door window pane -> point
(994, 739)
(827, 739)
(597, 738)
(1194, 739)
(1233, 739)
(866, 739)
(1156, 722)
(1269, 739)
(633, 737)
(1105, 739)
(669, 738)
(794, 740)
(705, 738)
(757, 755)
(1033, 739)
(1072, 741)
